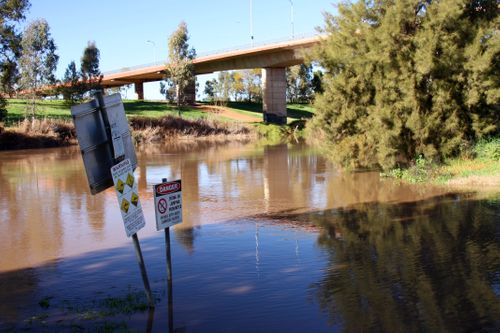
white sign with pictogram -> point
(168, 204)
(128, 197)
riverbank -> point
(477, 167)
(46, 133)
(152, 122)
(49, 133)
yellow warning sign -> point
(120, 186)
(125, 205)
(130, 180)
(134, 199)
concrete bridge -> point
(272, 58)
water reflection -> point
(428, 265)
(304, 242)
(47, 211)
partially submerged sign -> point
(128, 197)
(104, 137)
(168, 204)
(109, 158)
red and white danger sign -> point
(168, 204)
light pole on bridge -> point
(154, 48)
(251, 22)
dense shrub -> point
(406, 78)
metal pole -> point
(169, 257)
(169, 278)
(169, 284)
(251, 22)
(167, 246)
(142, 267)
(291, 17)
(154, 48)
(151, 317)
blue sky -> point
(121, 28)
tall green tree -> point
(72, 88)
(253, 85)
(38, 62)
(210, 89)
(406, 78)
(89, 66)
(223, 88)
(11, 13)
(180, 67)
(167, 89)
(238, 85)
(299, 83)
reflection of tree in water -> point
(424, 266)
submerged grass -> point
(108, 314)
(479, 166)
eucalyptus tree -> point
(89, 66)
(72, 88)
(180, 67)
(299, 83)
(11, 13)
(38, 62)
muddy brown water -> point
(274, 238)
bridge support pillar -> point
(139, 90)
(274, 95)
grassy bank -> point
(151, 121)
(294, 111)
(58, 109)
(40, 133)
(150, 130)
(478, 166)
(59, 132)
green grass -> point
(159, 109)
(109, 314)
(294, 111)
(483, 161)
(59, 109)
(45, 109)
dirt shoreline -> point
(49, 133)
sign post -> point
(109, 158)
(132, 215)
(168, 209)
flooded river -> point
(274, 239)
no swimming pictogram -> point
(162, 206)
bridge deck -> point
(282, 54)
